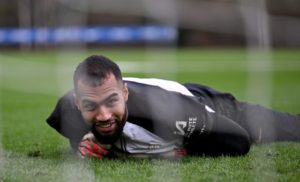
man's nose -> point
(103, 114)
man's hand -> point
(89, 147)
(180, 152)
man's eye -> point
(112, 101)
(89, 107)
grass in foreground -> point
(276, 162)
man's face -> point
(103, 107)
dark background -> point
(201, 23)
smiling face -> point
(103, 107)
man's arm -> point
(67, 120)
(225, 137)
(173, 115)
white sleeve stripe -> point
(209, 109)
(164, 84)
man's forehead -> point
(108, 87)
(94, 81)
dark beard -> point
(109, 138)
(113, 137)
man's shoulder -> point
(161, 83)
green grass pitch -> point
(31, 83)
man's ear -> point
(125, 92)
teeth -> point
(104, 125)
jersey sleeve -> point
(66, 119)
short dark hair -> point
(94, 70)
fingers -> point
(180, 152)
(88, 148)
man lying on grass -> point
(106, 115)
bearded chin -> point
(112, 137)
(109, 138)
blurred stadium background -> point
(231, 45)
(45, 24)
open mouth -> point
(105, 126)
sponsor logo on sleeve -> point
(186, 128)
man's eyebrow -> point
(109, 97)
(88, 101)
